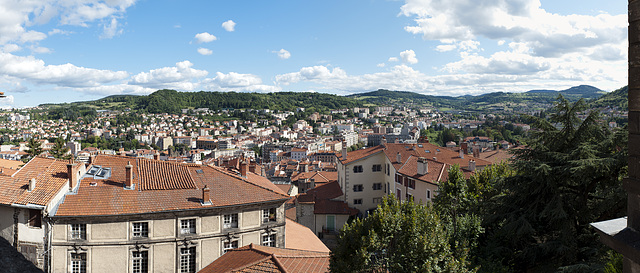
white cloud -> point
(313, 73)
(17, 16)
(229, 25)
(205, 51)
(393, 59)
(409, 56)
(7, 101)
(110, 30)
(11, 48)
(283, 54)
(380, 65)
(40, 50)
(205, 37)
(176, 77)
(65, 75)
(547, 34)
(59, 31)
(237, 82)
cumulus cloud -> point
(11, 48)
(180, 77)
(393, 59)
(205, 51)
(205, 37)
(40, 50)
(313, 73)
(16, 17)
(283, 54)
(409, 56)
(229, 25)
(380, 65)
(547, 34)
(65, 75)
(237, 82)
(110, 30)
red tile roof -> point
(300, 237)
(162, 175)
(360, 154)
(50, 176)
(109, 197)
(255, 258)
(428, 151)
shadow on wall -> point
(12, 261)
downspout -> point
(16, 213)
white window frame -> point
(187, 260)
(188, 226)
(357, 169)
(357, 201)
(266, 215)
(269, 239)
(230, 221)
(78, 231)
(228, 245)
(358, 188)
(377, 188)
(140, 261)
(78, 262)
(140, 229)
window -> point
(269, 240)
(358, 187)
(377, 186)
(428, 194)
(188, 226)
(357, 201)
(78, 231)
(229, 245)
(141, 229)
(377, 200)
(78, 262)
(398, 179)
(357, 169)
(412, 183)
(376, 168)
(140, 261)
(269, 215)
(188, 260)
(388, 171)
(35, 218)
(231, 221)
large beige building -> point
(123, 214)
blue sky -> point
(77, 50)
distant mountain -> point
(479, 102)
(171, 101)
(617, 98)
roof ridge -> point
(244, 179)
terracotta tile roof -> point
(10, 164)
(325, 191)
(50, 176)
(324, 206)
(162, 175)
(321, 197)
(360, 154)
(428, 151)
(497, 156)
(255, 258)
(318, 176)
(300, 237)
(109, 197)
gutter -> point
(28, 206)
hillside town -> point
(204, 195)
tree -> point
(568, 177)
(397, 237)
(35, 148)
(59, 150)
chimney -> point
(398, 157)
(206, 197)
(476, 151)
(344, 150)
(461, 153)
(384, 141)
(472, 165)
(312, 183)
(252, 168)
(464, 146)
(32, 184)
(305, 167)
(71, 174)
(128, 182)
(92, 158)
(243, 169)
(423, 166)
(156, 156)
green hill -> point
(171, 101)
(617, 98)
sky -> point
(79, 50)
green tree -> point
(35, 148)
(397, 237)
(59, 150)
(569, 176)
